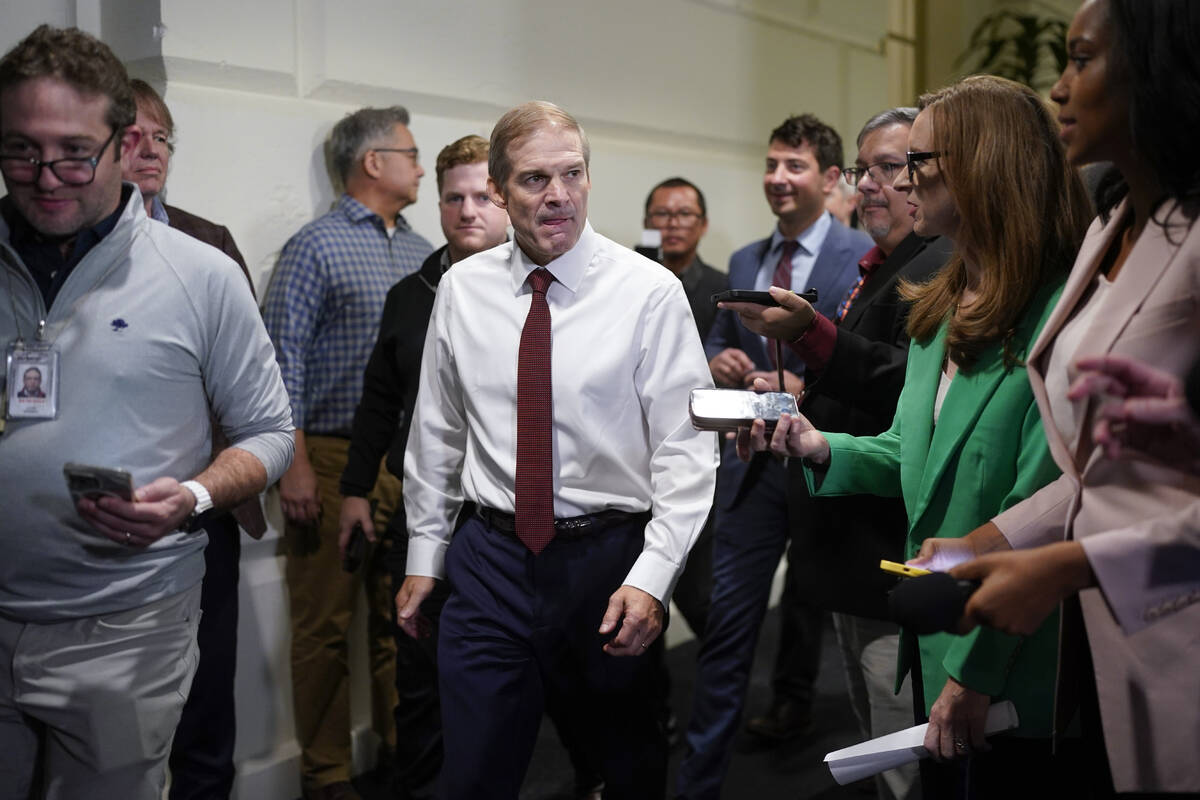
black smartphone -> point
(759, 298)
(356, 549)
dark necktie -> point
(783, 271)
(535, 422)
(783, 279)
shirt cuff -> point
(653, 575)
(426, 558)
(816, 344)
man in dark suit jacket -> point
(202, 753)
(856, 364)
(808, 249)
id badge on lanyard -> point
(32, 386)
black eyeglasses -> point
(914, 159)
(73, 171)
(882, 172)
(685, 218)
(411, 152)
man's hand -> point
(956, 722)
(768, 381)
(640, 617)
(412, 593)
(298, 493)
(354, 509)
(729, 366)
(1021, 588)
(940, 555)
(788, 321)
(158, 508)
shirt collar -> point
(357, 212)
(810, 239)
(871, 260)
(568, 269)
(158, 211)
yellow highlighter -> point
(903, 570)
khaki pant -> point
(91, 704)
(322, 597)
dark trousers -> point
(202, 754)
(519, 628)
(748, 540)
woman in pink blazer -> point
(1116, 540)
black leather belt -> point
(567, 528)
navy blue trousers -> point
(518, 628)
(202, 754)
(748, 541)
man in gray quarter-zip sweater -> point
(149, 330)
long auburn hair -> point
(1023, 212)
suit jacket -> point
(700, 283)
(249, 514)
(210, 233)
(856, 393)
(1137, 518)
(834, 270)
(986, 453)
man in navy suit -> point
(808, 248)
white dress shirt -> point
(624, 357)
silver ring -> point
(128, 536)
(960, 745)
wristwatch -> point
(204, 503)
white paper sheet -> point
(868, 758)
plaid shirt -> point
(324, 304)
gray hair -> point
(902, 115)
(354, 134)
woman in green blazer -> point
(986, 170)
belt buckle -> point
(573, 525)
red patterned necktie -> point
(783, 271)
(783, 279)
(535, 422)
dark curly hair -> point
(805, 128)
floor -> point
(794, 770)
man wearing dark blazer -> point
(202, 754)
(807, 249)
(856, 364)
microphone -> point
(930, 603)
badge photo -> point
(32, 384)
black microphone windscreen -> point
(930, 603)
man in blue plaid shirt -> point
(322, 309)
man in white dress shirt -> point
(581, 534)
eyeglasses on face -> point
(411, 152)
(882, 172)
(916, 159)
(686, 217)
(73, 171)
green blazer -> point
(986, 453)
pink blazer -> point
(1137, 518)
